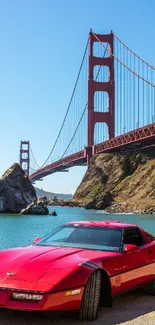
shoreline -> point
(114, 208)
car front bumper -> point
(59, 301)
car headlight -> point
(27, 296)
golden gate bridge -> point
(111, 108)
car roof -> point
(103, 223)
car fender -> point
(79, 277)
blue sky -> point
(41, 45)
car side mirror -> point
(36, 240)
(129, 247)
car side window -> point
(150, 236)
(133, 236)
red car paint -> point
(53, 271)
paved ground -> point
(130, 309)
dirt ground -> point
(133, 308)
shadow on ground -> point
(126, 308)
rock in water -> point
(36, 209)
(16, 190)
(54, 213)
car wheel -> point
(150, 288)
(91, 297)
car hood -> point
(33, 263)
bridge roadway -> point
(130, 141)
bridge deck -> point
(133, 140)
(61, 165)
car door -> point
(130, 268)
(151, 253)
(137, 262)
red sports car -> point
(77, 267)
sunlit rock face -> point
(16, 190)
(119, 183)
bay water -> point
(20, 230)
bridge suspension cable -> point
(34, 158)
(138, 57)
(134, 90)
(98, 72)
(68, 108)
(122, 63)
(32, 169)
(75, 131)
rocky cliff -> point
(16, 190)
(118, 183)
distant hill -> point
(49, 195)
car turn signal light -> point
(72, 292)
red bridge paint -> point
(138, 137)
(144, 136)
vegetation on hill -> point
(118, 183)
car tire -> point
(150, 288)
(91, 297)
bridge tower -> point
(25, 156)
(93, 86)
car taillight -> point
(27, 296)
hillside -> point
(50, 195)
(118, 183)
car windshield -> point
(87, 237)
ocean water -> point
(18, 230)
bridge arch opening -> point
(101, 101)
(101, 73)
(101, 51)
(100, 133)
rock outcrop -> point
(43, 199)
(53, 213)
(57, 203)
(36, 209)
(102, 201)
(16, 190)
(118, 183)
